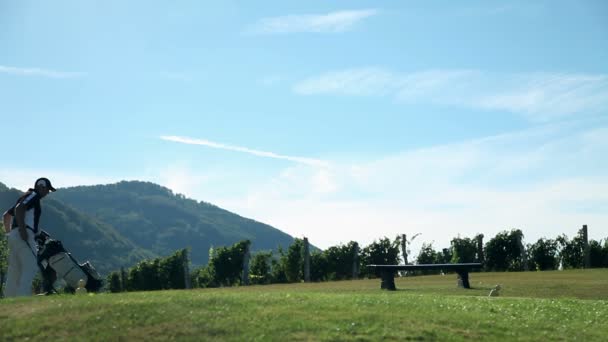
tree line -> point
(506, 252)
(233, 265)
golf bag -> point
(57, 263)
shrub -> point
(260, 269)
(381, 252)
(543, 254)
(503, 252)
(114, 284)
(463, 250)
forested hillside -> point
(154, 218)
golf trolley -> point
(56, 263)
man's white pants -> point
(22, 264)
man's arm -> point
(6, 220)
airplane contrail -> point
(194, 141)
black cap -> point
(45, 182)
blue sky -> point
(336, 120)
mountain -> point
(120, 224)
(155, 219)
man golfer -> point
(22, 260)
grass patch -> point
(533, 306)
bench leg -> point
(388, 281)
(463, 279)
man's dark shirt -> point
(31, 201)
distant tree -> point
(598, 256)
(113, 282)
(260, 269)
(319, 266)
(172, 270)
(605, 253)
(226, 266)
(204, 277)
(445, 256)
(157, 274)
(144, 276)
(278, 268)
(503, 252)
(427, 255)
(340, 261)
(293, 261)
(571, 252)
(543, 254)
(381, 252)
(463, 250)
(133, 279)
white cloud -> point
(323, 181)
(39, 72)
(545, 96)
(445, 191)
(364, 82)
(202, 142)
(455, 211)
(179, 177)
(339, 21)
(539, 97)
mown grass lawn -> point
(540, 306)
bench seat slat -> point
(427, 266)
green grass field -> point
(539, 306)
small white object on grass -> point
(81, 287)
(495, 291)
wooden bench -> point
(388, 272)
